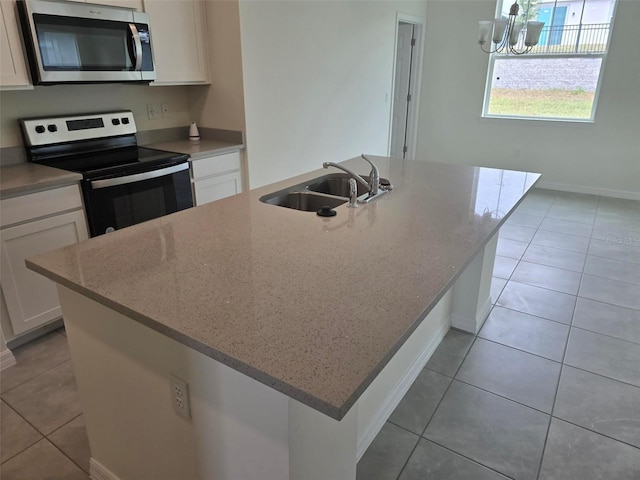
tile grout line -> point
(63, 453)
(537, 355)
(31, 378)
(600, 375)
(605, 334)
(597, 433)
(42, 436)
(463, 456)
(438, 405)
(548, 414)
(564, 355)
(546, 288)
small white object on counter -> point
(194, 134)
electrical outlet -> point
(180, 396)
(153, 110)
(165, 110)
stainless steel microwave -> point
(72, 42)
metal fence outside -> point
(570, 39)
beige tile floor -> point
(42, 433)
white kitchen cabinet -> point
(179, 41)
(13, 64)
(216, 177)
(33, 224)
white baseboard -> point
(97, 471)
(605, 192)
(399, 391)
(6, 359)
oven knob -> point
(52, 128)
(115, 121)
(125, 120)
(39, 128)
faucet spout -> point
(373, 185)
(352, 174)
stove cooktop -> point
(118, 161)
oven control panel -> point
(51, 130)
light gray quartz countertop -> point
(24, 178)
(196, 150)
(312, 307)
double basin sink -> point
(331, 190)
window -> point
(560, 77)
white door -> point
(402, 89)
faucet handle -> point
(353, 193)
(374, 177)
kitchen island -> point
(297, 335)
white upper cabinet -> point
(13, 64)
(179, 41)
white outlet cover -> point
(180, 397)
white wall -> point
(317, 82)
(602, 157)
(70, 99)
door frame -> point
(415, 79)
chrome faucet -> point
(353, 193)
(374, 177)
(373, 186)
(352, 174)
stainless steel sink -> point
(336, 184)
(331, 190)
(305, 201)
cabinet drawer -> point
(40, 204)
(205, 167)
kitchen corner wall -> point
(71, 99)
(221, 104)
(317, 82)
(600, 158)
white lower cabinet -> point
(31, 299)
(216, 177)
(214, 188)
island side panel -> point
(239, 428)
(321, 448)
(384, 394)
(472, 290)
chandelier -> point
(506, 33)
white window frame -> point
(493, 56)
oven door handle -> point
(137, 177)
(138, 46)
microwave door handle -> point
(138, 46)
(138, 177)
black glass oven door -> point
(119, 202)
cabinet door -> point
(214, 188)
(178, 38)
(32, 300)
(13, 65)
